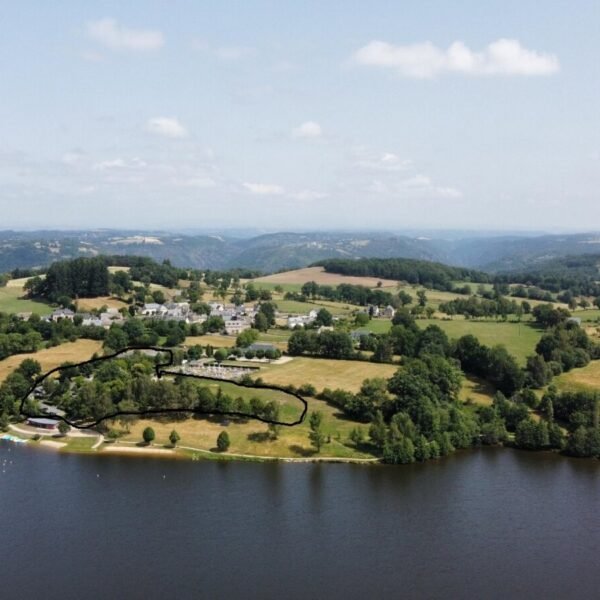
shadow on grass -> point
(301, 451)
(259, 436)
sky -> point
(282, 115)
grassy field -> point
(215, 340)
(477, 390)
(251, 437)
(94, 303)
(50, 358)
(589, 315)
(587, 378)
(11, 301)
(302, 308)
(323, 372)
(520, 339)
(378, 325)
(318, 274)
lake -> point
(488, 523)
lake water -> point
(487, 523)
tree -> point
(64, 428)
(174, 438)
(361, 319)
(148, 435)
(220, 355)
(324, 318)
(377, 431)
(246, 338)
(223, 442)
(261, 323)
(316, 435)
(422, 297)
(357, 436)
(404, 298)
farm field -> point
(520, 339)
(11, 300)
(323, 372)
(95, 303)
(318, 274)
(215, 340)
(50, 358)
(587, 378)
(295, 307)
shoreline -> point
(179, 453)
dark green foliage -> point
(316, 435)
(429, 274)
(148, 435)
(223, 441)
(77, 278)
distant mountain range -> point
(280, 251)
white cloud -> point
(116, 37)
(166, 126)
(384, 162)
(308, 130)
(264, 189)
(120, 163)
(306, 195)
(425, 60)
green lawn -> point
(378, 325)
(590, 315)
(520, 339)
(11, 302)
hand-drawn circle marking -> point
(160, 371)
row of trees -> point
(419, 272)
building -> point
(62, 313)
(388, 312)
(42, 423)
(153, 309)
(236, 326)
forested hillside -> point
(429, 274)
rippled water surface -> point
(489, 523)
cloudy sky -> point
(300, 115)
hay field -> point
(323, 372)
(50, 358)
(95, 303)
(318, 274)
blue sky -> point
(300, 115)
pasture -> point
(323, 372)
(519, 339)
(586, 378)
(12, 301)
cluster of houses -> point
(237, 318)
(104, 319)
(374, 311)
(301, 320)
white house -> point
(236, 326)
